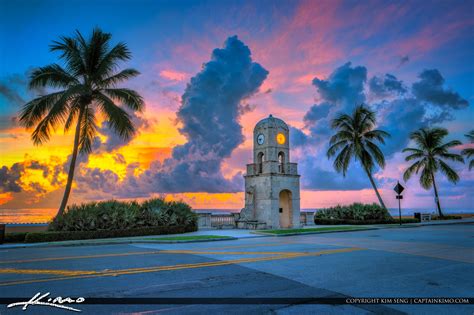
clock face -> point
(281, 138)
(260, 139)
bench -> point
(425, 217)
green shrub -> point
(54, 236)
(118, 215)
(18, 237)
(355, 212)
(447, 217)
(360, 222)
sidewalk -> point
(234, 233)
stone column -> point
(309, 218)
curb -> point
(230, 238)
(399, 227)
(445, 223)
(316, 232)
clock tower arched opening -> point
(285, 210)
(260, 159)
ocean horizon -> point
(41, 215)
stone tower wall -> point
(265, 180)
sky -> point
(210, 70)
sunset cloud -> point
(173, 75)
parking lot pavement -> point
(431, 261)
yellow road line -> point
(130, 254)
(46, 272)
(177, 267)
(248, 246)
(78, 257)
(194, 252)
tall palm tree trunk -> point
(375, 188)
(72, 165)
(436, 196)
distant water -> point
(393, 211)
(45, 215)
(26, 215)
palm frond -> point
(33, 111)
(341, 162)
(70, 51)
(73, 114)
(435, 136)
(341, 135)
(414, 150)
(97, 49)
(452, 157)
(119, 77)
(470, 136)
(128, 97)
(449, 144)
(376, 153)
(451, 174)
(418, 155)
(366, 119)
(414, 168)
(426, 179)
(51, 76)
(468, 152)
(117, 118)
(377, 134)
(88, 130)
(335, 147)
(419, 137)
(110, 61)
(57, 114)
(343, 121)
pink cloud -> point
(173, 75)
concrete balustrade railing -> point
(207, 220)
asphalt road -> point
(431, 261)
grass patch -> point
(321, 229)
(188, 238)
(56, 236)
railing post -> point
(309, 218)
(204, 220)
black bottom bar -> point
(283, 301)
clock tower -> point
(272, 183)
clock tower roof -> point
(271, 121)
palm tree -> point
(355, 138)
(429, 155)
(469, 152)
(85, 86)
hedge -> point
(55, 236)
(355, 211)
(447, 217)
(123, 215)
(15, 237)
(363, 222)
